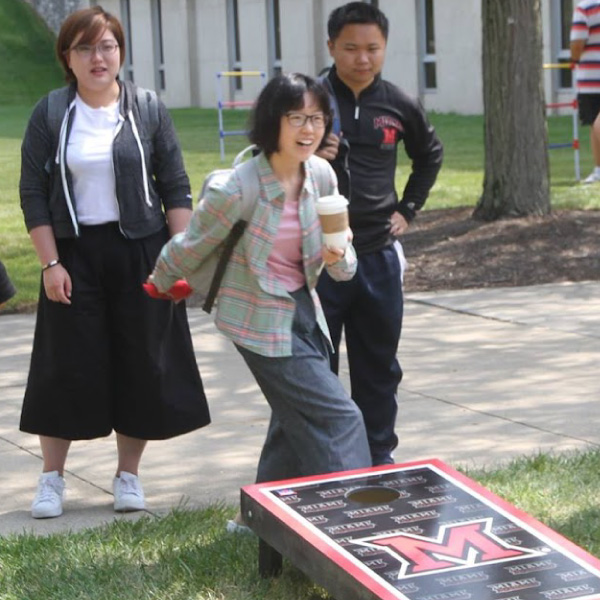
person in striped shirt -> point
(585, 51)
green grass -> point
(459, 184)
(187, 555)
(561, 491)
(28, 67)
(461, 179)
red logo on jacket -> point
(390, 135)
(390, 127)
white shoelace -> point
(47, 492)
(130, 486)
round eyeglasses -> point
(105, 48)
(318, 121)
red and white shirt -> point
(586, 26)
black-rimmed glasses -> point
(318, 121)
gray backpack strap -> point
(321, 169)
(247, 173)
(147, 101)
(58, 102)
(239, 157)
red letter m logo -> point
(389, 135)
(457, 545)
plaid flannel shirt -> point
(254, 310)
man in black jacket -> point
(375, 116)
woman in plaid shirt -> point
(267, 303)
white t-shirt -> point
(89, 157)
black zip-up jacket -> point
(149, 170)
(372, 127)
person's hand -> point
(332, 255)
(330, 150)
(398, 224)
(57, 284)
(177, 292)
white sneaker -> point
(233, 527)
(593, 177)
(49, 496)
(128, 492)
(237, 525)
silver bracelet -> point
(51, 264)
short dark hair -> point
(282, 94)
(91, 23)
(356, 13)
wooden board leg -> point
(270, 562)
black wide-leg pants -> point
(114, 359)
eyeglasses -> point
(105, 48)
(318, 121)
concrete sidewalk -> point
(489, 375)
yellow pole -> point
(558, 66)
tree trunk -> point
(516, 179)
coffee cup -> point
(333, 215)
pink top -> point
(285, 260)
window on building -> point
(426, 29)
(126, 21)
(563, 25)
(233, 39)
(274, 33)
(429, 60)
(157, 40)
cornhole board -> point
(413, 531)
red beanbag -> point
(178, 291)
